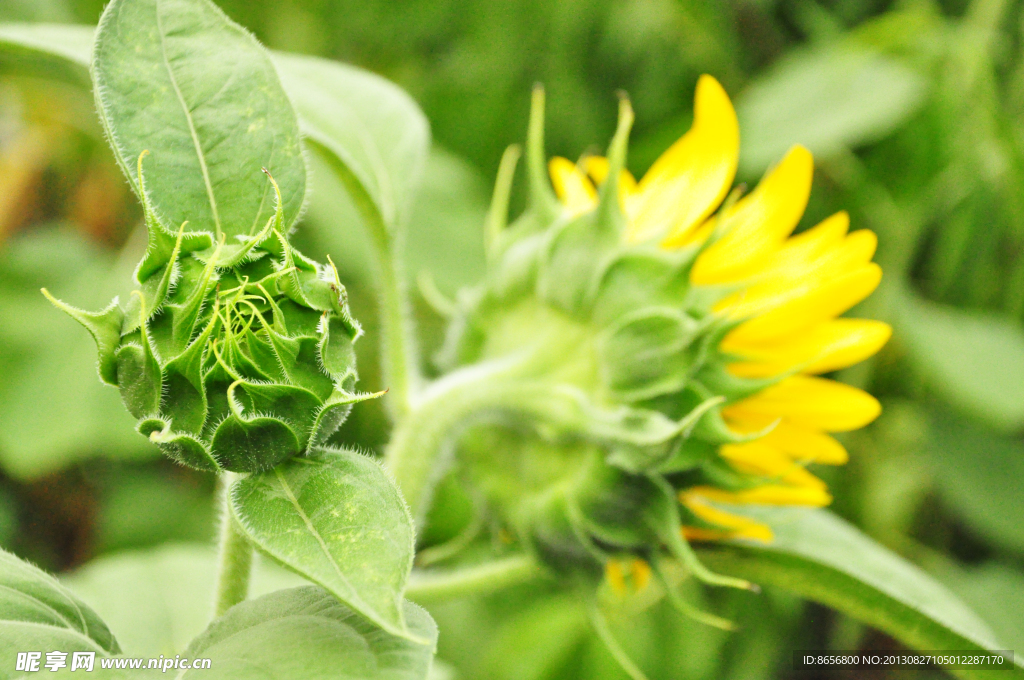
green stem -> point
(399, 355)
(414, 454)
(426, 587)
(235, 559)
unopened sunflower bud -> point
(231, 355)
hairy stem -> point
(426, 587)
(399, 353)
(235, 558)
(415, 453)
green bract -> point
(233, 355)
(608, 370)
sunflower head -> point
(663, 340)
(231, 355)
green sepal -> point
(645, 353)
(337, 352)
(243, 443)
(138, 372)
(154, 289)
(638, 277)
(715, 376)
(299, 358)
(184, 385)
(566, 270)
(185, 315)
(296, 406)
(179, 446)
(333, 414)
(105, 328)
(613, 505)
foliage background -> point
(915, 113)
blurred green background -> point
(915, 113)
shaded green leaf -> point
(177, 77)
(827, 99)
(979, 473)
(976, 360)
(822, 558)
(336, 643)
(158, 600)
(373, 132)
(37, 612)
(336, 518)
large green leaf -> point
(826, 99)
(978, 473)
(37, 613)
(157, 600)
(306, 633)
(822, 558)
(975, 359)
(371, 130)
(177, 77)
(336, 518)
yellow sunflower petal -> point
(769, 494)
(571, 186)
(691, 178)
(760, 458)
(799, 443)
(812, 305)
(759, 223)
(828, 346)
(810, 402)
(735, 525)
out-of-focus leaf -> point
(822, 558)
(827, 99)
(53, 408)
(333, 642)
(975, 360)
(372, 130)
(143, 507)
(158, 600)
(336, 518)
(446, 230)
(979, 474)
(539, 640)
(37, 612)
(180, 79)
(996, 592)
(48, 50)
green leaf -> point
(306, 633)
(822, 558)
(996, 592)
(368, 129)
(975, 359)
(56, 51)
(979, 473)
(38, 613)
(827, 99)
(158, 600)
(336, 518)
(180, 79)
(372, 132)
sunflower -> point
(787, 292)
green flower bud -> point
(231, 355)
